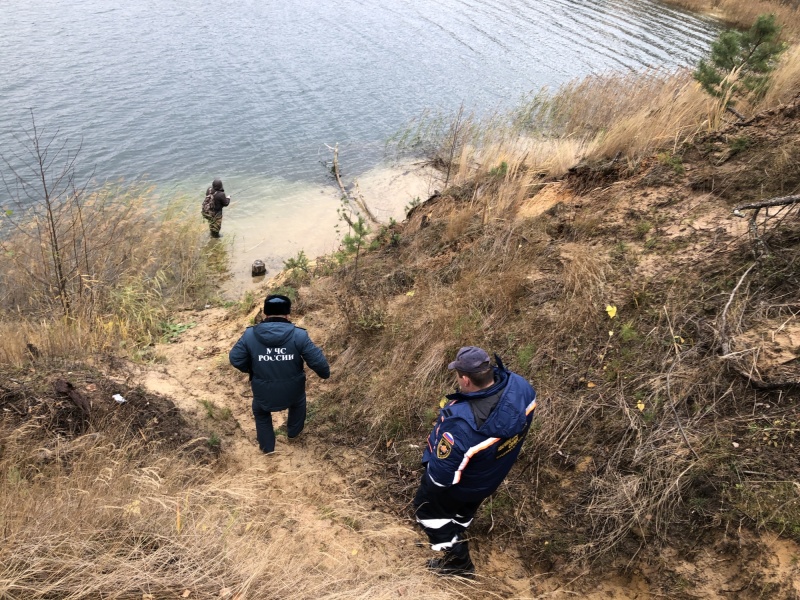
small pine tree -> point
(741, 61)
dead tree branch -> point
(356, 199)
(781, 201)
(723, 320)
(761, 247)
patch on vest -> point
(445, 446)
(508, 446)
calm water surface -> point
(178, 92)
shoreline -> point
(307, 220)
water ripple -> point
(248, 88)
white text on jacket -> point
(275, 354)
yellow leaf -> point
(442, 402)
(591, 385)
(411, 293)
(611, 310)
(640, 405)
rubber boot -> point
(456, 562)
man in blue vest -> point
(472, 447)
(274, 353)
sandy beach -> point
(306, 219)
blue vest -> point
(471, 460)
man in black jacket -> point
(274, 353)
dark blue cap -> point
(470, 359)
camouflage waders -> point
(215, 224)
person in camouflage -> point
(220, 200)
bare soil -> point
(194, 373)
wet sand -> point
(305, 218)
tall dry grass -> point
(613, 116)
(104, 515)
(130, 263)
(785, 80)
(743, 13)
(618, 116)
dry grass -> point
(743, 13)
(130, 263)
(609, 117)
(105, 516)
(613, 116)
(785, 85)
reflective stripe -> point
(436, 483)
(433, 523)
(445, 545)
(439, 523)
(472, 452)
(531, 407)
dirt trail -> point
(193, 371)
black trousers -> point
(264, 430)
(443, 518)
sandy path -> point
(318, 495)
(194, 373)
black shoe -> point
(452, 566)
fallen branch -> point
(781, 201)
(767, 386)
(356, 199)
(725, 343)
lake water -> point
(176, 93)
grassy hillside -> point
(588, 238)
(667, 414)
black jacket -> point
(274, 353)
